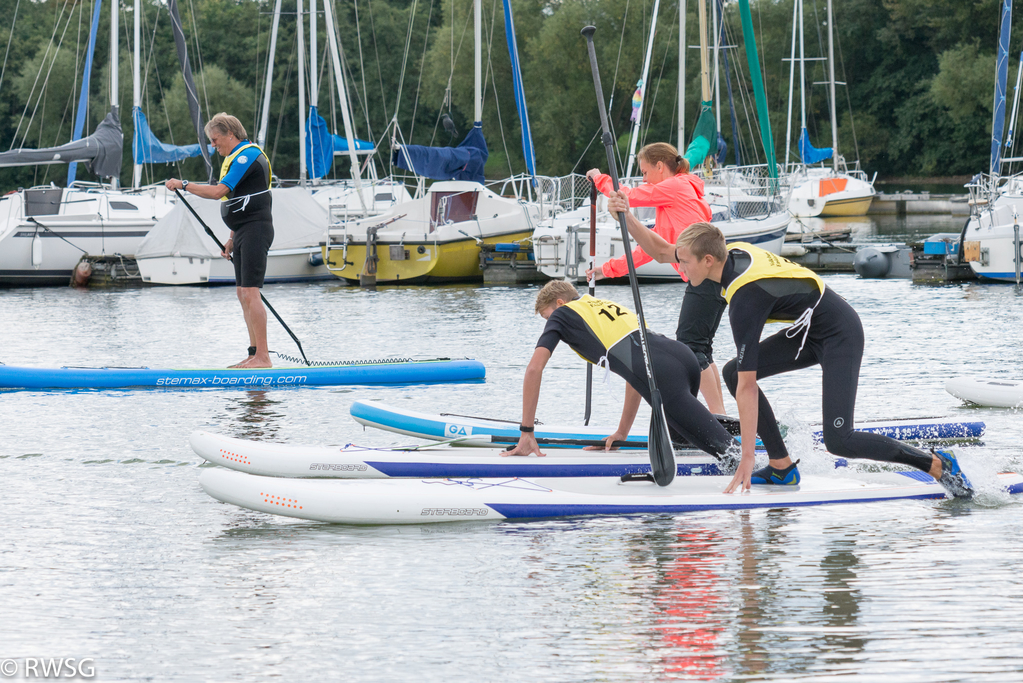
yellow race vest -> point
(608, 321)
(765, 265)
(226, 166)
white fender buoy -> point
(37, 251)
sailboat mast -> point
(831, 85)
(634, 138)
(342, 92)
(136, 80)
(704, 54)
(802, 74)
(792, 82)
(717, 77)
(478, 56)
(114, 84)
(682, 77)
(314, 97)
(264, 119)
(301, 96)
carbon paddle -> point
(209, 231)
(593, 288)
(662, 456)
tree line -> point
(918, 97)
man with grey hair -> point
(244, 189)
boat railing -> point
(985, 188)
(556, 195)
(749, 191)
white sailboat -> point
(818, 190)
(435, 237)
(44, 231)
(746, 204)
(991, 241)
(178, 252)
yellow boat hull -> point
(416, 262)
(854, 206)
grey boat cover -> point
(299, 221)
(101, 151)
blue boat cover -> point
(146, 148)
(464, 162)
(83, 97)
(321, 145)
(810, 154)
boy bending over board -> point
(607, 334)
(762, 287)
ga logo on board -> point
(453, 431)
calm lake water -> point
(110, 550)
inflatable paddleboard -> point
(356, 462)
(417, 501)
(999, 393)
(481, 431)
(367, 372)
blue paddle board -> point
(482, 431)
(370, 372)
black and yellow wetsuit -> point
(607, 334)
(246, 210)
(762, 287)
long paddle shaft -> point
(662, 456)
(593, 288)
(209, 231)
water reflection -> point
(691, 597)
(254, 414)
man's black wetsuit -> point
(676, 370)
(834, 341)
(246, 210)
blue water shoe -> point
(774, 477)
(952, 477)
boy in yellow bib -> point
(762, 287)
(607, 334)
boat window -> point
(383, 197)
(452, 207)
(43, 201)
(123, 206)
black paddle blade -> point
(662, 455)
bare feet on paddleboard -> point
(253, 363)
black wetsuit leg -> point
(677, 374)
(699, 318)
(251, 245)
(777, 354)
(836, 343)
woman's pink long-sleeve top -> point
(679, 202)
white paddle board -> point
(357, 462)
(998, 393)
(416, 501)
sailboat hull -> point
(417, 262)
(103, 222)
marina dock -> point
(905, 203)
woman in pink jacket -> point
(678, 197)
